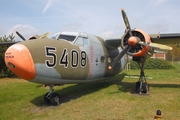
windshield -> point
(55, 36)
(67, 37)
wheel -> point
(137, 87)
(55, 99)
(47, 98)
(145, 87)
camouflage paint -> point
(61, 61)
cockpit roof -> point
(69, 35)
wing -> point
(169, 38)
(8, 43)
(112, 42)
(173, 38)
(32, 37)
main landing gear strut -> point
(141, 84)
(52, 98)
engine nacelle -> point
(137, 50)
(33, 37)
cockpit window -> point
(81, 41)
(85, 41)
(77, 38)
(67, 37)
(55, 36)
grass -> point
(112, 99)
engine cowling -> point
(136, 50)
(33, 37)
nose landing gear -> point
(52, 98)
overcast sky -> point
(99, 17)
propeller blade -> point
(119, 56)
(127, 48)
(44, 35)
(20, 36)
(126, 21)
(156, 45)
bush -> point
(4, 71)
(152, 63)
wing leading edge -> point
(173, 38)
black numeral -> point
(74, 58)
(83, 59)
(49, 51)
(64, 58)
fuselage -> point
(80, 58)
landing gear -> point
(141, 85)
(52, 98)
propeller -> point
(41, 37)
(126, 49)
(134, 41)
(20, 36)
(126, 21)
(44, 35)
(155, 45)
(119, 56)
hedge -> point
(152, 63)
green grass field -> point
(113, 99)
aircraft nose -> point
(19, 60)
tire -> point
(55, 99)
(145, 87)
(137, 87)
(47, 100)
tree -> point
(4, 72)
(173, 55)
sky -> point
(98, 17)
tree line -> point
(173, 55)
(4, 71)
